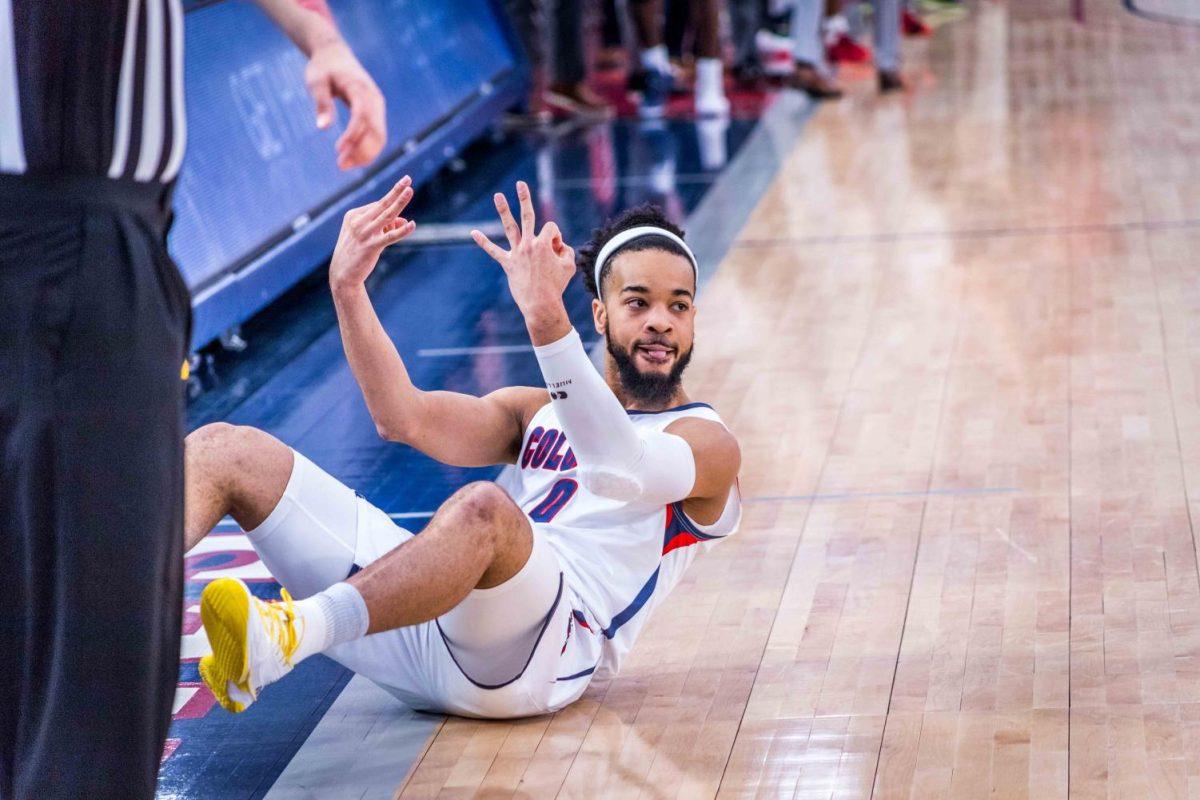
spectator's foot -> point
(656, 86)
(890, 81)
(846, 50)
(711, 104)
(532, 113)
(710, 88)
(521, 119)
(612, 58)
(577, 100)
(748, 76)
(682, 76)
(809, 80)
(774, 54)
(914, 25)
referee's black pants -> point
(93, 331)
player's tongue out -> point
(655, 353)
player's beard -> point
(646, 388)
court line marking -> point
(638, 180)
(442, 233)
(485, 350)
(228, 524)
(915, 493)
(978, 233)
(1028, 555)
(1158, 16)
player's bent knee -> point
(484, 501)
(251, 467)
(237, 448)
(488, 510)
(209, 437)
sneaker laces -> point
(279, 620)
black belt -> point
(26, 195)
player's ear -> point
(599, 316)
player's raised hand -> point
(366, 231)
(538, 265)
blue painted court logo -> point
(211, 753)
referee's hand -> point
(334, 71)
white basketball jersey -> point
(620, 559)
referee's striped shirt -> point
(92, 87)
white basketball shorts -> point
(495, 655)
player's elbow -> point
(726, 457)
(399, 419)
(733, 457)
(391, 430)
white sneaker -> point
(774, 53)
(712, 105)
(252, 641)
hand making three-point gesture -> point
(539, 266)
(366, 231)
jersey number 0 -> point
(559, 495)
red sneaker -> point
(914, 25)
(846, 50)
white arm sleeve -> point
(615, 460)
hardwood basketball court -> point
(958, 339)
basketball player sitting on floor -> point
(518, 592)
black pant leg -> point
(39, 255)
(98, 506)
(567, 42)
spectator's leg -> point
(887, 44)
(567, 42)
(610, 28)
(807, 48)
(887, 35)
(812, 74)
(526, 16)
(675, 26)
(647, 23)
(710, 70)
(569, 92)
(706, 20)
(852, 11)
(529, 23)
(745, 17)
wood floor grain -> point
(959, 340)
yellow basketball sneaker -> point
(252, 642)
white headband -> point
(626, 236)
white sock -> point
(834, 26)
(656, 58)
(710, 77)
(332, 617)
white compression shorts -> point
(494, 655)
